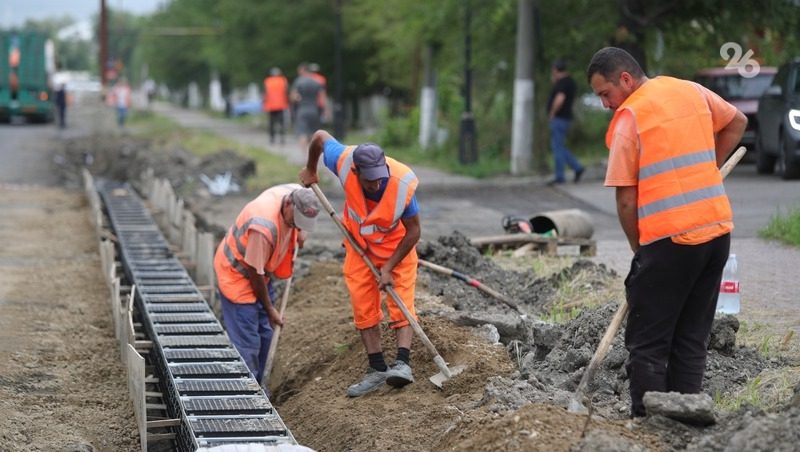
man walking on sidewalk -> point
(667, 140)
(559, 111)
(258, 247)
(381, 213)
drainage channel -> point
(207, 384)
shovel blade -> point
(440, 378)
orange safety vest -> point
(680, 187)
(276, 96)
(378, 230)
(262, 214)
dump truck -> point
(27, 64)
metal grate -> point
(172, 298)
(201, 354)
(182, 318)
(162, 275)
(192, 328)
(178, 307)
(234, 426)
(149, 289)
(217, 386)
(194, 341)
(226, 405)
(209, 370)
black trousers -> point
(672, 293)
(276, 122)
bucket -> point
(570, 223)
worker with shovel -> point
(257, 248)
(381, 213)
(667, 140)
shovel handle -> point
(472, 282)
(390, 290)
(276, 334)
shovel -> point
(276, 334)
(446, 372)
(575, 405)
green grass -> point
(770, 389)
(165, 133)
(784, 228)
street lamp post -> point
(467, 141)
(338, 108)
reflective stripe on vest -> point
(679, 187)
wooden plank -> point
(156, 406)
(205, 258)
(136, 382)
(164, 423)
(156, 437)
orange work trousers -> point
(365, 297)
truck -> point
(27, 64)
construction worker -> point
(276, 101)
(667, 140)
(257, 248)
(381, 213)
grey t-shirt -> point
(309, 90)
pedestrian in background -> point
(559, 111)
(306, 93)
(322, 99)
(61, 105)
(120, 99)
(666, 142)
(257, 248)
(382, 215)
(276, 102)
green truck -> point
(27, 63)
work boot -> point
(372, 380)
(399, 375)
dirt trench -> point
(520, 370)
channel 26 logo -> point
(744, 64)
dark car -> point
(742, 92)
(779, 115)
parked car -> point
(742, 92)
(778, 141)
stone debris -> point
(695, 409)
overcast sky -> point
(16, 12)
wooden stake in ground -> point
(575, 404)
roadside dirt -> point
(62, 386)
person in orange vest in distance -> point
(257, 248)
(322, 99)
(667, 140)
(276, 101)
(382, 214)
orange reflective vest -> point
(379, 229)
(680, 187)
(276, 97)
(262, 214)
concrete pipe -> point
(572, 223)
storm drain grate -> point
(238, 426)
(226, 405)
(192, 328)
(194, 341)
(200, 354)
(167, 289)
(172, 298)
(217, 386)
(162, 275)
(178, 307)
(150, 282)
(183, 318)
(209, 370)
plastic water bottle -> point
(729, 300)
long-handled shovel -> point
(446, 372)
(276, 333)
(575, 405)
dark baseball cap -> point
(370, 161)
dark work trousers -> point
(276, 122)
(672, 293)
(248, 328)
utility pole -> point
(427, 103)
(338, 102)
(522, 122)
(467, 140)
(103, 43)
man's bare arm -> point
(628, 214)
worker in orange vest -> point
(667, 140)
(381, 213)
(276, 101)
(255, 250)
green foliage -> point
(785, 228)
